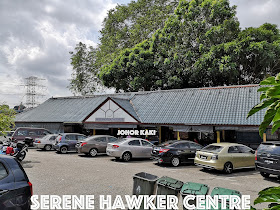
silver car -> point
(45, 143)
(129, 148)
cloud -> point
(36, 38)
(253, 13)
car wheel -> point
(175, 161)
(228, 168)
(93, 152)
(48, 147)
(265, 175)
(63, 150)
(126, 156)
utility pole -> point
(34, 90)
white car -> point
(45, 143)
(129, 148)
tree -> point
(7, 117)
(270, 99)
(201, 44)
(124, 27)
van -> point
(28, 135)
(267, 158)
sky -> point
(37, 36)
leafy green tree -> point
(124, 27)
(7, 117)
(271, 195)
(270, 99)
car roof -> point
(70, 133)
(32, 128)
(6, 157)
(272, 142)
(225, 144)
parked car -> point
(65, 142)
(28, 135)
(176, 153)
(268, 158)
(95, 144)
(129, 148)
(46, 143)
(225, 157)
(15, 187)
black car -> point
(15, 188)
(267, 158)
(177, 152)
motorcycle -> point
(18, 150)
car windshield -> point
(168, 143)
(212, 148)
(269, 148)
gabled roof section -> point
(126, 105)
(209, 106)
(72, 109)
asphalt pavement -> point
(76, 174)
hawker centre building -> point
(207, 114)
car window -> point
(3, 171)
(100, 139)
(33, 133)
(22, 133)
(195, 146)
(146, 144)
(134, 143)
(79, 137)
(212, 148)
(244, 149)
(112, 139)
(182, 145)
(233, 149)
(269, 148)
(70, 137)
(52, 138)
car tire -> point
(63, 150)
(228, 168)
(175, 161)
(47, 147)
(126, 156)
(93, 152)
(265, 175)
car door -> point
(101, 144)
(248, 156)
(147, 148)
(184, 151)
(235, 157)
(7, 185)
(71, 140)
(135, 148)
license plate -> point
(203, 157)
(269, 161)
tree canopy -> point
(7, 117)
(199, 44)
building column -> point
(218, 137)
(159, 134)
(178, 135)
(94, 132)
(224, 135)
(264, 137)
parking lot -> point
(76, 174)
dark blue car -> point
(67, 142)
(15, 188)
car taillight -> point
(83, 144)
(60, 138)
(163, 150)
(115, 146)
(38, 141)
(256, 157)
(31, 188)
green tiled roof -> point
(207, 106)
